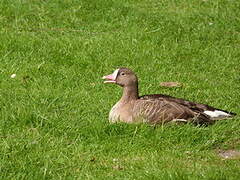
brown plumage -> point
(156, 108)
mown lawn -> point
(54, 113)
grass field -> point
(54, 113)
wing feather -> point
(161, 110)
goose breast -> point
(121, 112)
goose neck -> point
(130, 93)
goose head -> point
(123, 77)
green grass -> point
(54, 114)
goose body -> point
(156, 108)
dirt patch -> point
(229, 154)
(170, 84)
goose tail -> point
(219, 114)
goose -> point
(156, 108)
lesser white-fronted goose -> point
(156, 108)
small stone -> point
(13, 75)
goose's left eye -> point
(122, 74)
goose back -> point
(160, 110)
(196, 107)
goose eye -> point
(122, 74)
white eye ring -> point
(122, 74)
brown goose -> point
(156, 108)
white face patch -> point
(115, 73)
(216, 113)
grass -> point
(54, 114)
